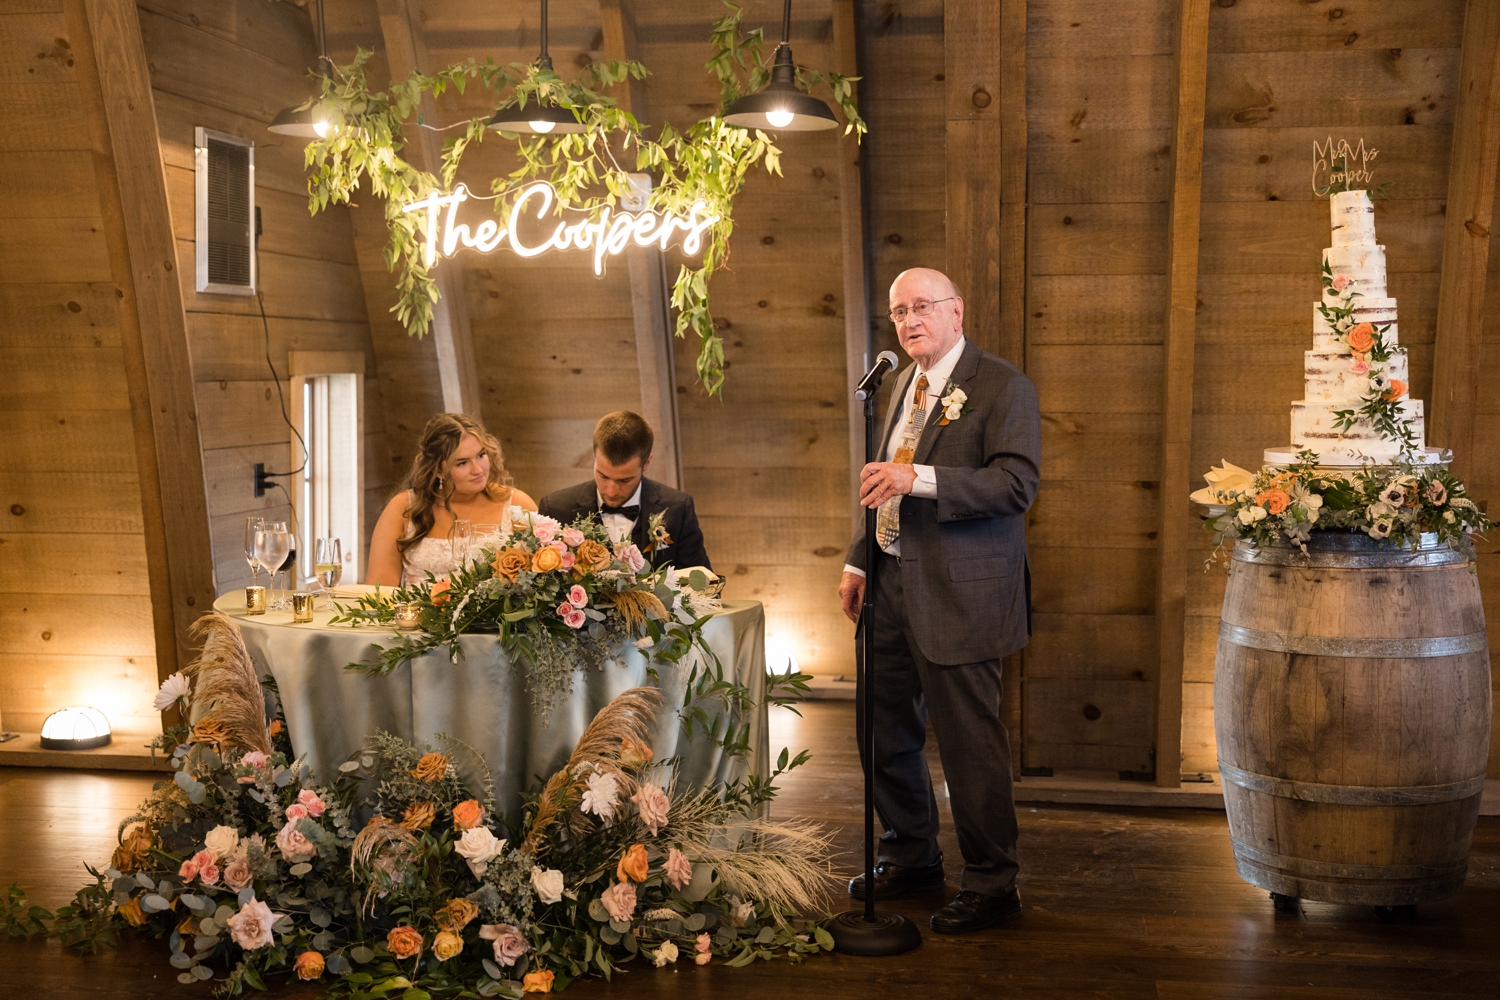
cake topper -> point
(1347, 168)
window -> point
(327, 493)
(224, 211)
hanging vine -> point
(708, 162)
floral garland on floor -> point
(1399, 504)
(1370, 356)
(249, 868)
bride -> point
(457, 475)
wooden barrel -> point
(1352, 710)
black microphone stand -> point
(866, 931)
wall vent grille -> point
(225, 208)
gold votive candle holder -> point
(255, 600)
(408, 617)
(302, 608)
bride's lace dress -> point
(435, 555)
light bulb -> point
(321, 128)
(542, 127)
(780, 119)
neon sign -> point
(606, 232)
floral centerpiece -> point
(248, 867)
(1398, 503)
(559, 597)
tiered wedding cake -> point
(1355, 358)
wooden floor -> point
(1119, 903)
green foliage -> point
(21, 919)
(708, 161)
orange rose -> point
(431, 767)
(132, 912)
(134, 848)
(1273, 500)
(632, 864)
(404, 942)
(546, 559)
(446, 945)
(512, 563)
(592, 556)
(456, 914)
(309, 965)
(1362, 338)
(419, 816)
(467, 814)
(537, 982)
(1396, 391)
(633, 755)
(275, 727)
(439, 592)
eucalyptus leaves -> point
(705, 164)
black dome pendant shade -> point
(781, 107)
(305, 123)
(538, 119)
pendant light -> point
(306, 123)
(536, 118)
(781, 106)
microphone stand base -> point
(887, 934)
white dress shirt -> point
(925, 487)
(619, 526)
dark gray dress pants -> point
(963, 702)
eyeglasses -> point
(918, 309)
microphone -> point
(884, 365)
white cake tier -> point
(1313, 428)
(1378, 312)
(1364, 266)
(1353, 218)
(1286, 455)
(1328, 378)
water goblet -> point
(460, 540)
(271, 546)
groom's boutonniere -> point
(952, 403)
(657, 530)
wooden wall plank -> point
(1466, 237)
(1191, 63)
(972, 148)
(853, 212)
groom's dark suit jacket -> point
(964, 576)
(680, 520)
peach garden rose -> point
(468, 814)
(309, 965)
(404, 942)
(1362, 338)
(633, 864)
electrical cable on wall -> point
(263, 479)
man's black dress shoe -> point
(896, 880)
(974, 911)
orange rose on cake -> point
(1396, 391)
(1362, 338)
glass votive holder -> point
(302, 608)
(408, 617)
(255, 600)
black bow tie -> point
(632, 512)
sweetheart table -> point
(480, 700)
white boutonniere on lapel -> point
(656, 531)
(952, 402)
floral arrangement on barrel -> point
(249, 868)
(559, 598)
(1398, 504)
(1369, 359)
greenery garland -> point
(709, 161)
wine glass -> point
(286, 569)
(271, 545)
(252, 526)
(460, 540)
(328, 562)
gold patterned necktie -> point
(888, 517)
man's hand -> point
(882, 480)
(852, 594)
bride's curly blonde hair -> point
(428, 480)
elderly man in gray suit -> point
(962, 445)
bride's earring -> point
(439, 484)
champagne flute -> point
(252, 527)
(460, 540)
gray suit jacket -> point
(964, 575)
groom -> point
(658, 519)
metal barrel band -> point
(1352, 795)
(1393, 559)
(1320, 645)
(1324, 869)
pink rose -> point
(296, 811)
(702, 946)
(573, 537)
(568, 560)
(1341, 282)
(189, 869)
(578, 597)
(574, 618)
(237, 873)
(619, 900)
(678, 869)
(294, 846)
(309, 798)
(510, 943)
(1359, 366)
(631, 556)
(251, 927)
(208, 872)
(653, 805)
(544, 528)
(254, 759)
